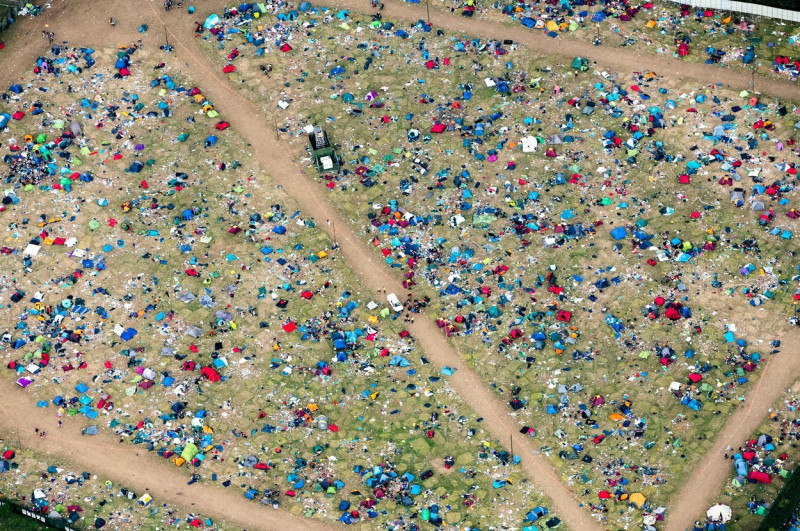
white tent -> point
(719, 513)
(529, 144)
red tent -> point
(211, 374)
(285, 47)
(289, 327)
(229, 69)
(760, 477)
(564, 315)
(683, 49)
(438, 128)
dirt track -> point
(85, 25)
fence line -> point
(743, 7)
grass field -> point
(397, 93)
(215, 287)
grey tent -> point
(75, 129)
(90, 430)
(186, 297)
(222, 315)
(249, 461)
(757, 206)
(555, 139)
(207, 301)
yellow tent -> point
(651, 24)
(616, 417)
(552, 26)
(638, 499)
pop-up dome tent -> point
(211, 21)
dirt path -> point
(616, 59)
(87, 26)
(132, 467)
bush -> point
(784, 506)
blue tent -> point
(399, 361)
(16, 89)
(128, 334)
(619, 233)
(598, 17)
(136, 167)
(452, 289)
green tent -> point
(579, 63)
(189, 451)
(482, 221)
